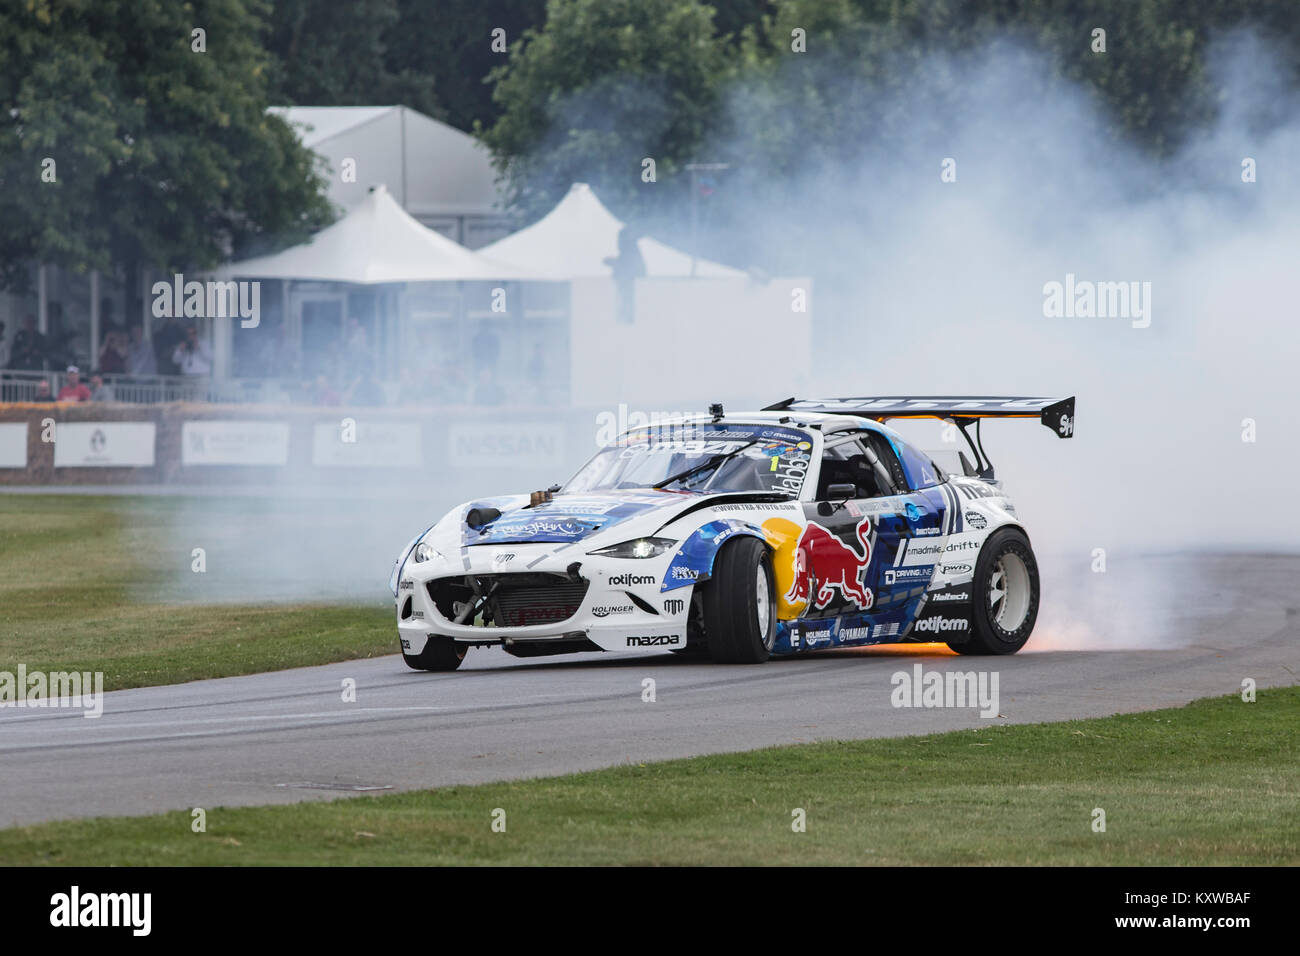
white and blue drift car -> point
(807, 525)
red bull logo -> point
(823, 563)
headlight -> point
(637, 548)
(401, 560)
(425, 552)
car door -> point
(857, 555)
(913, 528)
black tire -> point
(1006, 552)
(731, 604)
(439, 654)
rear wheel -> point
(1004, 595)
(439, 654)
(740, 604)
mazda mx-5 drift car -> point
(804, 526)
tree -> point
(452, 44)
(163, 151)
(326, 53)
(602, 87)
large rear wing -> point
(1054, 413)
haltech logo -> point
(622, 579)
(657, 640)
(951, 596)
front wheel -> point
(740, 604)
(1004, 595)
(439, 654)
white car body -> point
(893, 562)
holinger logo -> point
(212, 299)
(70, 689)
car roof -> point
(824, 422)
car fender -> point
(693, 562)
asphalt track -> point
(289, 736)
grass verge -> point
(91, 584)
(1213, 783)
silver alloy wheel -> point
(1009, 593)
(764, 605)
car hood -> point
(567, 518)
(606, 517)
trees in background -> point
(130, 140)
(602, 84)
(165, 156)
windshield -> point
(708, 458)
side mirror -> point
(836, 495)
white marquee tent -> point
(574, 239)
(377, 242)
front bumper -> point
(622, 607)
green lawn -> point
(90, 583)
(1214, 783)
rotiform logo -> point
(940, 625)
(632, 579)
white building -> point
(439, 175)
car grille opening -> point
(509, 600)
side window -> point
(836, 469)
(849, 462)
(921, 470)
(885, 452)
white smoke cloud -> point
(925, 287)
